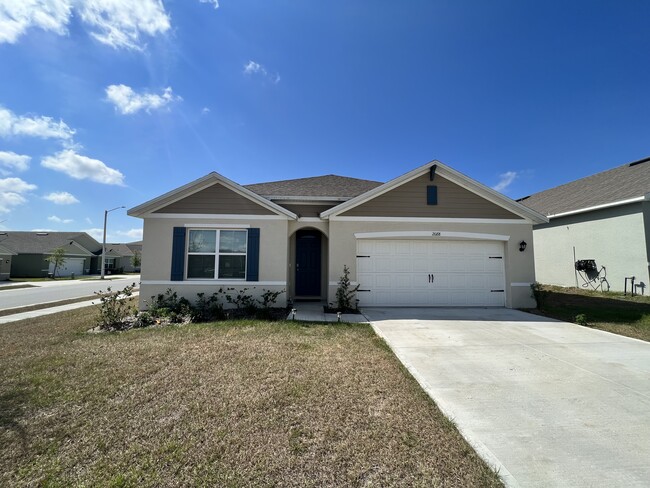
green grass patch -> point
(240, 403)
(610, 311)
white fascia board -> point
(425, 234)
(196, 225)
(201, 184)
(451, 175)
(600, 207)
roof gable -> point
(327, 186)
(629, 182)
(45, 242)
(498, 205)
(212, 194)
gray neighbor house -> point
(598, 234)
(24, 254)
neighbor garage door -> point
(395, 272)
(71, 265)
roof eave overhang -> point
(451, 175)
(619, 203)
(201, 184)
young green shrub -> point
(581, 319)
(114, 308)
(170, 307)
(269, 298)
(240, 299)
(207, 309)
(345, 292)
(539, 295)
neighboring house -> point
(136, 249)
(118, 258)
(432, 236)
(602, 222)
(31, 250)
(5, 262)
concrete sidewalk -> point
(314, 312)
(547, 403)
(50, 310)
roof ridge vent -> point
(42, 233)
(644, 160)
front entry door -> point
(308, 263)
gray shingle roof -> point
(622, 183)
(318, 186)
(44, 242)
(118, 249)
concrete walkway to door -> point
(546, 403)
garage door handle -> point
(497, 291)
(431, 278)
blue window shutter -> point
(432, 195)
(253, 255)
(178, 254)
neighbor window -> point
(217, 254)
(109, 263)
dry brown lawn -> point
(227, 404)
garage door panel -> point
(425, 273)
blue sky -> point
(106, 103)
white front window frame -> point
(218, 254)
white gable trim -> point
(449, 174)
(432, 220)
(213, 216)
(201, 184)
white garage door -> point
(72, 265)
(396, 272)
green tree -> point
(57, 258)
(136, 259)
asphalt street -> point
(56, 290)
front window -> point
(216, 254)
(109, 263)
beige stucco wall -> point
(519, 266)
(157, 255)
(614, 237)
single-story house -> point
(5, 262)
(431, 237)
(31, 250)
(598, 233)
(119, 258)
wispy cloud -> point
(505, 180)
(82, 168)
(10, 161)
(59, 220)
(12, 125)
(254, 68)
(127, 101)
(213, 2)
(61, 198)
(135, 234)
(95, 233)
(12, 193)
(116, 23)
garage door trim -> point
(430, 234)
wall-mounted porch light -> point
(522, 246)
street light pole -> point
(106, 212)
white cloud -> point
(132, 233)
(82, 168)
(213, 2)
(10, 161)
(205, 111)
(16, 16)
(117, 23)
(127, 101)
(61, 198)
(59, 220)
(254, 68)
(88, 221)
(95, 233)
(36, 126)
(11, 193)
(505, 180)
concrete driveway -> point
(546, 403)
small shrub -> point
(143, 319)
(581, 319)
(241, 299)
(208, 309)
(269, 298)
(345, 293)
(539, 295)
(114, 308)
